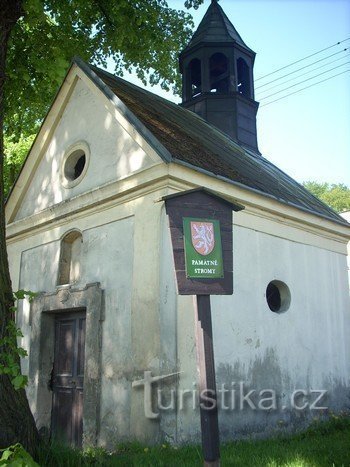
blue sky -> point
(307, 134)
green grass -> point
(323, 444)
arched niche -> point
(70, 258)
(243, 78)
(219, 73)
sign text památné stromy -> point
(203, 249)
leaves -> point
(193, 3)
(19, 381)
(10, 353)
(337, 196)
(144, 37)
(15, 153)
(21, 294)
(16, 456)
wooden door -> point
(68, 378)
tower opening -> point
(195, 77)
(219, 76)
(243, 78)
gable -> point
(87, 123)
(132, 129)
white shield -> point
(203, 238)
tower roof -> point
(215, 27)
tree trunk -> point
(16, 420)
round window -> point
(278, 296)
(74, 165)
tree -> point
(16, 420)
(15, 153)
(337, 196)
(145, 36)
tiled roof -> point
(191, 140)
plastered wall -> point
(147, 327)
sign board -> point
(203, 250)
(201, 233)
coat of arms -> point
(203, 238)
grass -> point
(323, 444)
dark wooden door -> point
(68, 378)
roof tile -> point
(191, 140)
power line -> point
(306, 87)
(303, 74)
(301, 59)
(302, 68)
(303, 81)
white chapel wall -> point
(107, 258)
(148, 327)
(306, 347)
(346, 216)
(120, 250)
(113, 153)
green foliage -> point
(193, 3)
(15, 153)
(10, 353)
(56, 454)
(337, 196)
(22, 294)
(144, 37)
(16, 456)
(325, 443)
(9, 361)
(321, 426)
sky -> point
(308, 133)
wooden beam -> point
(207, 383)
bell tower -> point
(217, 78)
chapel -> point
(87, 229)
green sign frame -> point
(203, 248)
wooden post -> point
(207, 384)
(203, 272)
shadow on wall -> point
(114, 154)
(262, 400)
